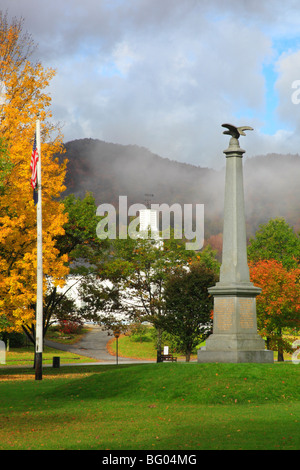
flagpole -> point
(39, 300)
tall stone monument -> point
(235, 337)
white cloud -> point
(124, 57)
(288, 72)
(166, 75)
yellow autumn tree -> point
(23, 99)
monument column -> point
(235, 337)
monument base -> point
(235, 337)
(262, 356)
(235, 342)
(235, 348)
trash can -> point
(56, 361)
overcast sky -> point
(165, 74)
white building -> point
(149, 219)
(149, 222)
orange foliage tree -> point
(22, 101)
(278, 305)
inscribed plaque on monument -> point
(223, 312)
(246, 309)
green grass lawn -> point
(55, 334)
(166, 406)
(25, 356)
(146, 349)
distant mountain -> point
(109, 170)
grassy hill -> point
(167, 406)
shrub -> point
(138, 333)
(16, 340)
(70, 327)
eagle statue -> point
(234, 131)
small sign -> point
(166, 350)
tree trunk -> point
(280, 357)
(159, 332)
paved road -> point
(93, 345)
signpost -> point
(116, 335)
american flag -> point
(33, 168)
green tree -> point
(275, 240)
(133, 281)
(137, 270)
(80, 241)
(189, 306)
(82, 247)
